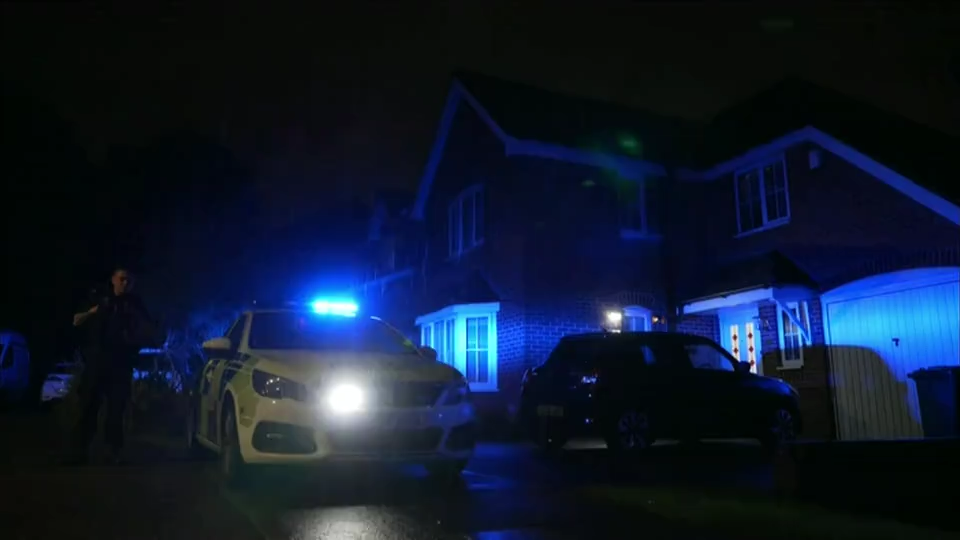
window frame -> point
(634, 312)
(644, 231)
(765, 222)
(803, 333)
(240, 326)
(477, 350)
(460, 313)
(439, 340)
(455, 221)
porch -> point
(766, 311)
(763, 308)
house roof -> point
(527, 112)
(917, 152)
(913, 159)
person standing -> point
(119, 327)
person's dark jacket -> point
(119, 329)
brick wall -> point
(511, 354)
(547, 322)
(707, 326)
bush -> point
(155, 406)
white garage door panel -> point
(876, 341)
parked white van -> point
(14, 365)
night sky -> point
(318, 107)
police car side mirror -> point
(743, 367)
(217, 344)
(428, 352)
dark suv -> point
(634, 388)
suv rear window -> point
(707, 357)
(634, 351)
(576, 354)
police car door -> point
(213, 381)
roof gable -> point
(915, 160)
(538, 106)
(528, 113)
(920, 153)
(872, 167)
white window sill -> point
(482, 388)
(632, 234)
(764, 227)
(791, 366)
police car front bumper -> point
(291, 432)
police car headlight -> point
(345, 398)
(457, 393)
(271, 386)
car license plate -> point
(553, 411)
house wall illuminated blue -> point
(538, 215)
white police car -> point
(314, 384)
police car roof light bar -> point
(334, 307)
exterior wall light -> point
(613, 320)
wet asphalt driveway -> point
(509, 491)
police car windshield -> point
(308, 331)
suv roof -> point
(630, 336)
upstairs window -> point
(466, 221)
(640, 204)
(762, 199)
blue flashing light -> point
(342, 308)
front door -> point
(740, 335)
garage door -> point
(879, 330)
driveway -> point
(508, 488)
(161, 494)
(508, 491)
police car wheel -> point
(233, 469)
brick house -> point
(776, 230)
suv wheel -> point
(630, 432)
(781, 431)
(550, 435)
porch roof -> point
(770, 270)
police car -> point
(322, 383)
